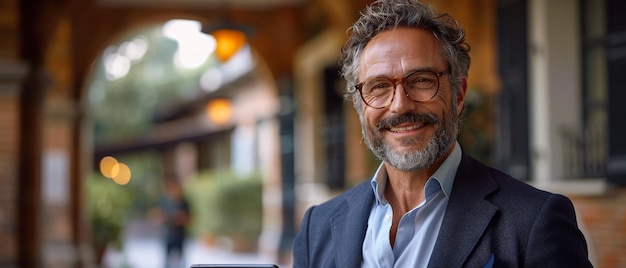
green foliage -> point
(146, 174)
(123, 109)
(226, 204)
(201, 193)
(240, 207)
(108, 206)
(475, 134)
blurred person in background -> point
(429, 204)
(173, 212)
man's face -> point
(409, 135)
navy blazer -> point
(492, 220)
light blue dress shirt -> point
(418, 228)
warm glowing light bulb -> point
(228, 43)
(107, 165)
(219, 111)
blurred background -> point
(240, 101)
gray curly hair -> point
(384, 15)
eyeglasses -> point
(378, 92)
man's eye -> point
(421, 81)
(378, 85)
(381, 86)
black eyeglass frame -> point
(401, 80)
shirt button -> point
(387, 217)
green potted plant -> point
(240, 211)
(108, 204)
(226, 204)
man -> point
(173, 211)
(428, 204)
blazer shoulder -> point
(504, 178)
(502, 184)
(349, 196)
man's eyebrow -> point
(418, 69)
(421, 69)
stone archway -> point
(85, 28)
(259, 87)
(67, 36)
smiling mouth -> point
(407, 128)
(406, 122)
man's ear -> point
(460, 97)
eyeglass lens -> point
(378, 92)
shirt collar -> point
(444, 176)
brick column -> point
(11, 75)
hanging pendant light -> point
(229, 42)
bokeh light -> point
(107, 166)
(219, 111)
(123, 175)
(194, 47)
(228, 43)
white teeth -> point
(400, 129)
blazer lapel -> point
(349, 226)
(467, 214)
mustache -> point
(389, 122)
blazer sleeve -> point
(555, 240)
(301, 242)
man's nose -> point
(401, 102)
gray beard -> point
(438, 144)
